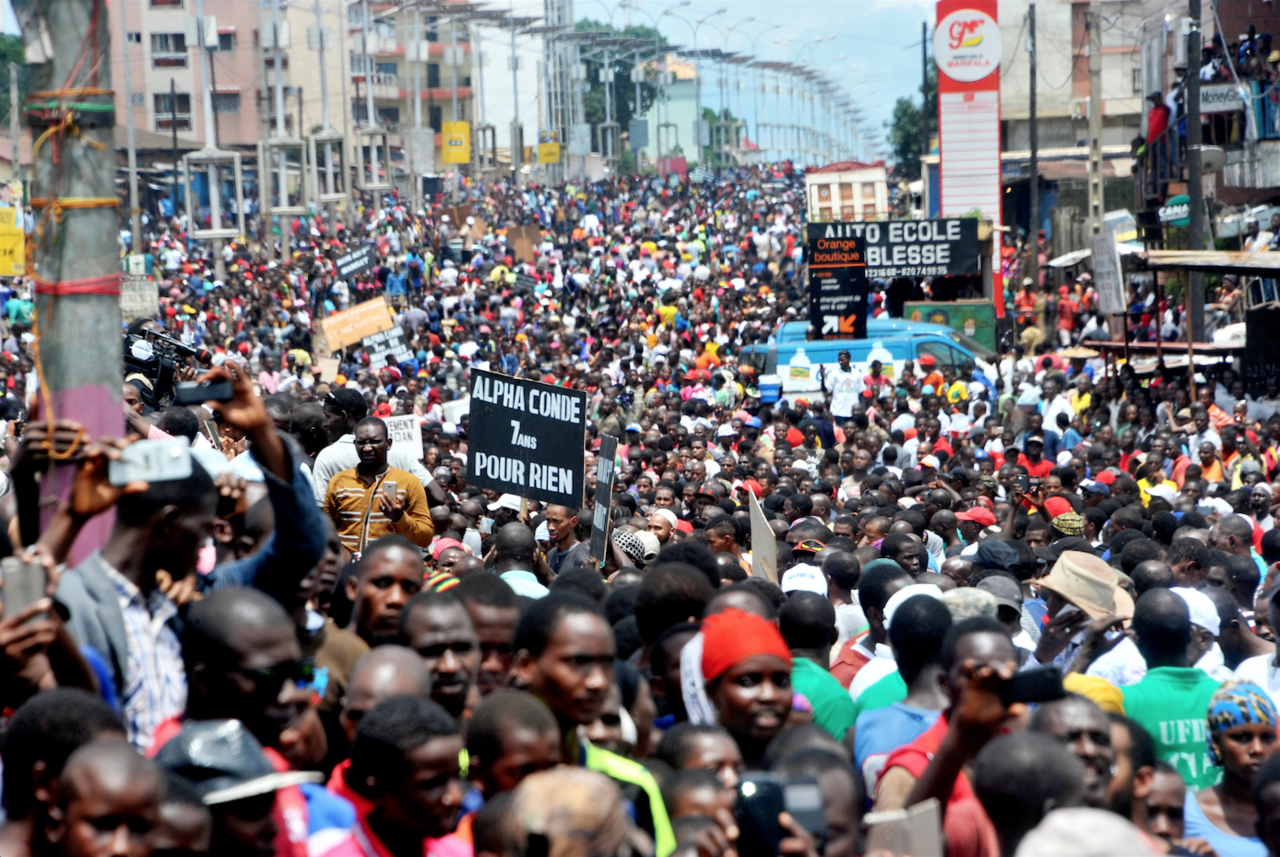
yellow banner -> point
(548, 153)
(457, 142)
(12, 244)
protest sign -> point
(139, 298)
(352, 325)
(764, 544)
(357, 261)
(387, 343)
(527, 438)
(605, 472)
(405, 431)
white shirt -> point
(875, 669)
(1263, 672)
(845, 388)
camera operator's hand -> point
(246, 412)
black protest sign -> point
(357, 261)
(387, 343)
(837, 281)
(605, 473)
(943, 247)
(526, 282)
(527, 438)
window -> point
(164, 109)
(226, 102)
(1137, 81)
(868, 211)
(846, 190)
(226, 41)
(430, 30)
(135, 38)
(360, 111)
(435, 117)
(388, 115)
(824, 193)
(387, 68)
(271, 62)
(943, 353)
(170, 3)
(168, 49)
(869, 190)
(137, 99)
(433, 76)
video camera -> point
(155, 356)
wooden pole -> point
(78, 344)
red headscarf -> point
(731, 637)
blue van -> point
(790, 363)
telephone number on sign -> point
(903, 271)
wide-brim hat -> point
(1089, 583)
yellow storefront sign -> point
(12, 244)
(548, 153)
(457, 142)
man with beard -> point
(437, 626)
(389, 574)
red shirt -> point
(851, 658)
(1040, 470)
(969, 831)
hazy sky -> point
(875, 55)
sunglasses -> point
(303, 673)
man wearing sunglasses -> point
(243, 662)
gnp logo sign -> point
(967, 45)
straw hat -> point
(1090, 584)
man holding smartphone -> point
(373, 499)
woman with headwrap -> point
(1242, 734)
(737, 672)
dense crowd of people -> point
(1035, 599)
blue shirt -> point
(524, 583)
(880, 731)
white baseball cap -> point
(805, 578)
(896, 601)
(1203, 613)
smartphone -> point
(1039, 685)
(198, 392)
(24, 584)
(1024, 483)
(151, 461)
(389, 488)
(762, 798)
(211, 427)
(913, 832)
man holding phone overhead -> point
(373, 499)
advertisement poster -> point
(837, 280)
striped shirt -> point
(155, 683)
(357, 514)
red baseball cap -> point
(979, 515)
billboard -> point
(837, 280)
(457, 142)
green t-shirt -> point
(1172, 703)
(832, 706)
(886, 691)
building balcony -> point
(430, 93)
(384, 85)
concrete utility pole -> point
(415, 46)
(135, 214)
(1195, 184)
(78, 344)
(1096, 203)
(1033, 257)
(282, 162)
(924, 91)
(370, 116)
(215, 188)
(517, 151)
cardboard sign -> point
(606, 472)
(1106, 273)
(405, 430)
(13, 244)
(352, 325)
(764, 544)
(356, 262)
(387, 343)
(139, 298)
(521, 242)
(527, 438)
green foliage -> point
(906, 127)
(623, 107)
(11, 50)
